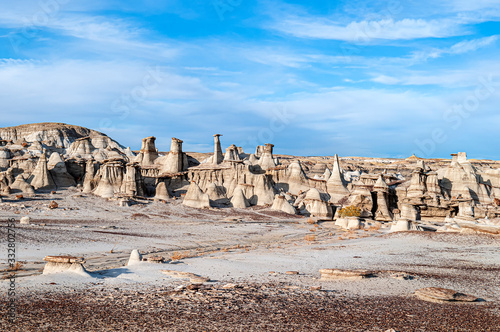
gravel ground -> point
(252, 307)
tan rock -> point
(436, 294)
(336, 274)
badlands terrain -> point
(114, 238)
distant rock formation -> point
(382, 189)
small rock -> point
(25, 220)
(315, 288)
(292, 272)
(440, 295)
(334, 274)
(229, 286)
(53, 205)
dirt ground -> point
(247, 255)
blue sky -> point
(356, 78)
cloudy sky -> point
(357, 78)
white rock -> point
(25, 220)
(135, 258)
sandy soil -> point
(253, 249)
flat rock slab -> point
(436, 294)
(336, 274)
(156, 259)
(193, 278)
(64, 259)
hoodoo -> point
(335, 185)
(41, 179)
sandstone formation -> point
(196, 198)
(148, 153)
(335, 185)
(239, 201)
(440, 295)
(58, 264)
(161, 192)
(41, 179)
(281, 204)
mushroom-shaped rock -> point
(196, 198)
(316, 206)
(58, 264)
(218, 157)
(148, 153)
(176, 160)
(266, 161)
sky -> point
(354, 78)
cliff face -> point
(59, 135)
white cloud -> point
(472, 45)
(366, 31)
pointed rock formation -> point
(327, 174)
(239, 200)
(21, 185)
(296, 179)
(281, 204)
(161, 192)
(59, 172)
(266, 161)
(253, 160)
(335, 185)
(41, 179)
(148, 153)
(196, 198)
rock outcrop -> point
(41, 179)
(196, 198)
